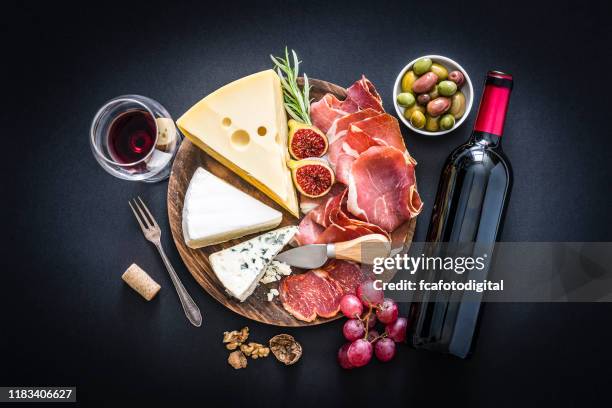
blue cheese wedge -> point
(214, 212)
(240, 267)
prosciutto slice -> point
(329, 223)
(329, 108)
(310, 294)
(308, 232)
(308, 204)
(341, 124)
(364, 95)
(344, 164)
(340, 161)
(380, 130)
(382, 188)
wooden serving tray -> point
(256, 307)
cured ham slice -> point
(382, 188)
(329, 223)
(308, 204)
(308, 232)
(327, 203)
(348, 274)
(341, 124)
(310, 294)
(341, 161)
(344, 164)
(364, 95)
(313, 224)
(327, 109)
(380, 130)
(358, 136)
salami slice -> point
(310, 294)
(348, 274)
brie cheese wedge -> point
(214, 212)
(240, 267)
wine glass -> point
(134, 138)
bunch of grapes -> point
(363, 339)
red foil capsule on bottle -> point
(494, 103)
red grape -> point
(353, 329)
(388, 311)
(359, 353)
(343, 358)
(384, 349)
(372, 321)
(372, 334)
(351, 306)
(369, 295)
(397, 330)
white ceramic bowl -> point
(451, 65)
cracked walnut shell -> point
(285, 349)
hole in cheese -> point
(261, 131)
(240, 138)
(226, 122)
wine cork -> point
(141, 282)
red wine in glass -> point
(131, 136)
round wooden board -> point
(256, 307)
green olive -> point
(439, 70)
(457, 108)
(434, 93)
(408, 80)
(447, 88)
(409, 111)
(447, 122)
(432, 124)
(417, 119)
(422, 66)
(406, 99)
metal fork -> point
(152, 233)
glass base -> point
(163, 175)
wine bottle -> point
(472, 195)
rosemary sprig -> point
(297, 102)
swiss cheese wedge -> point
(243, 125)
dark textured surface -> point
(67, 318)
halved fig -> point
(306, 141)
(312, 177)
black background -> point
(67, 318)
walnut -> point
(237, 360)
(255, 350)
(236, 336)
(285, 349)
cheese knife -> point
(363, 250)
